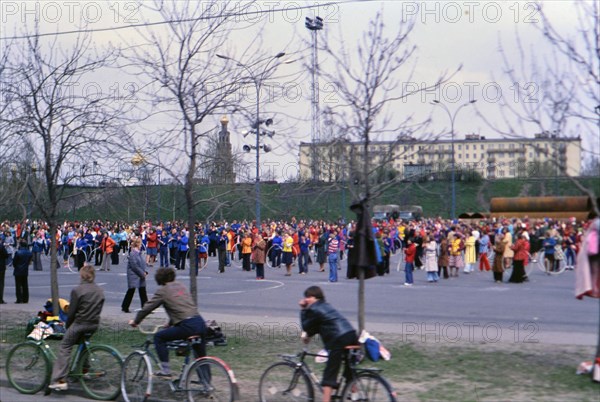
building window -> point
(511, 154)
(466, 156)
(531, 154)
(481, 147)
(500, 154)
(511, 146)
(474, 156)
(467, 146)
(500, 146)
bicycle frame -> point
(174, 384)
(82, 346)
(299, 358)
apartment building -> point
(544, 155)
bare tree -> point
(193, 87)
(51, 123)
(367, 78)
(558, 93)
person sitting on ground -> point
(184, 319)
(319, 317)
(85, 307)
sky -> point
(447, 34)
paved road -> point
(543, 309)
(469, 308)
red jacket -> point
(107, 245)
(410, 252)
(152, 240)
(521, 249)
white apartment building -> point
(544, 155)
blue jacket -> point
(21, 261)
(549, 244)
(183, 243)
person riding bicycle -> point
(319, 317)
(184, 319)
(85, 306)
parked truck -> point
(393, 211)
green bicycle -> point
(96, 367)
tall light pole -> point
(452, 117)
(257, 79)
(314, 26)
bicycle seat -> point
(353, 347)
(194, 339)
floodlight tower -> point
(314, 26)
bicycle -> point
(202, 378)
(96, 367)
(293, 380)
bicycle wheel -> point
(209, 378)
(274, 248)
(284, 382)
(368, 387)
(136, 377)
(99, 371)
(28, 368)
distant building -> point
(222, 171)
(545, 155)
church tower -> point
(223, 168)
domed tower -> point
(223, 164)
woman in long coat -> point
(508, 251)
(521, 258)
(136, 276)
(431, 265)
(498, 265)
(443, 257)
(470, 254)
(259, 251)
(321, 251)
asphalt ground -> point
(470, 308)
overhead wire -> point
(295, 6)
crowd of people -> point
(442, 248)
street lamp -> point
(452, 117)
(257, 79)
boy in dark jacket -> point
(319, 317)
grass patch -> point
(417, 371)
